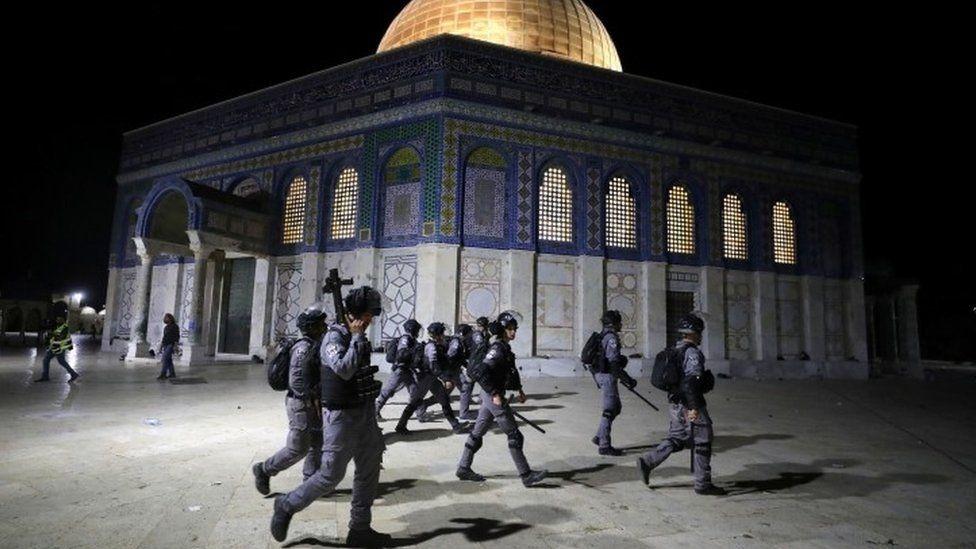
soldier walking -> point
(607, 370)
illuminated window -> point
(555, 207)
(621, 222)
(734, 228)
(681, 221)
(784, 239)
(344, 204)
(293, 219)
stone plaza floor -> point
(807, 464)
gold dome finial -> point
(562, 28)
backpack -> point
(668, 369)
(590, 355)
(419, 357)
(280, 363)
(391, 350)
(478, 353)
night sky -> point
(88, 74)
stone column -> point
(765, 315)
(110, 298)
(194, 349)
(312, 276)
(855, 322)
(520, 284)
(591, 281)
(365, 273)
(814, 329)
(261, 306)
(713, 306)
(656, 307)
(211, 301)
(138, 347)
(908, 343)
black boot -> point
(534, 477)
(42, 379)
(645, 470)
(610, 451)
(465, 473)
(460, 428)
(280, 520)
(368, 538)
(401, 426)
(74, 376)
(711, 490)
(261, 479)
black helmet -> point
(509, 319)
(363, 300)
(412, 327)
(611, 318)
(312, 315)
(436, 329)
(463, 330)
(482, 322)
(691, 324)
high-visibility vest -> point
(60, 340)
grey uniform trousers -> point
(349, 435)
(304, 439)
(399, 378)
(429, 382)
(697, 437)
(489, 414)
(611, 406)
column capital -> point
(144, 249)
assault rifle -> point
(333, 285)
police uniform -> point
(606, 378)
(402, 374)
(304, 415)
(458, 352)
(696, 436)
(500, 374)
(431, 376)
(349, 428)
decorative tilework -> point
(287, 299)
(594, 225)
(738, 318)
(714, 216)
(312, 205)
(624, 295)
(399, 294)
(480, 283)
(127, 297)
(524, 225)
(484, 202)
(401, 210)
(270, 160)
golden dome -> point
(562, 28)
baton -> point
(527, 421)
(640, 396)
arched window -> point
(344, 204)
(621, 218)
(555, 206)
(403, 193)
(681, 221)
(734, 238)
(293, 215)
(784, 237)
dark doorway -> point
(679, 304)
(235, 308)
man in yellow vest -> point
(59, 344)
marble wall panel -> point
(623, 292)
(789, 318)
(480, 284)
(288, 284)
(739, 319)
(834, 327)
(555, 305)
(399, 293)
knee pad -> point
(676, 444)
(704, 450)
(515, 440)
(611, 413)
(473, 443)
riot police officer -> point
(350, 429)
(690, 425)
(402, 374)
(607, 370)
(458, 353)
(301, 404)
(497, 373)
(435, 376)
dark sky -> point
(85, 75)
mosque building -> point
(493, 155)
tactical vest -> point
(340, 394)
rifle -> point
(333, 285)
(527, 420)
(640, 396)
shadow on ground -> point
(477, 523)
